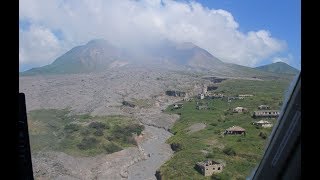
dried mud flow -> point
(103, 94)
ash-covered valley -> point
(103, 94)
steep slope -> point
(183, 54)
(278, 67)
(96, 55)
(99, 55)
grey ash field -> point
(85, 98)
(101, 95)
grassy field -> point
(240, 153)
(143, 103)
(80, 135)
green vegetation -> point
(80, 135)
(278, 67)
(229, 151)
(143, 103)
(123, 134)
(112, 147)
(240, 153)
(263, 135)
(176, 147)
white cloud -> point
(288, 59)
(38, 45)
(132, 22)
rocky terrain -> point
(103, 94)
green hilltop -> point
(279, 67)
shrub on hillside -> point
(124, 133)
(210, 155)
(229, 151)
(98, 125)
(110, 138)
(135, 128)
(213, 124)
(99, 132)
(88, 143)
(70, 128)
(263, 135)
(215, 177)
(176, 147)
(85, 132)
(111, 148)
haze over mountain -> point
(279, 67)
(100, 55)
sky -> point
(250, 33)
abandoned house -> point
(235, 130)
(240, 109)
(187, 99)
(200, 107)
(263, 123)
(176, 93)
(229, 99)
(201, 96)
(218, 95)
(177, 105)
(208, 167)
(232, 98)
(263, 107)
(266, 113)
(245, 95)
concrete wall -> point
(215, 168)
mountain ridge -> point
(278, 67)
(99, 55)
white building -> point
(264, 124)
(240, 109)
(201, 96)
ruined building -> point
(176, 93)
(264, 124)
(208, 167)
(266, 114)
(201, 96)
(240, 109)
(177, 105)
(245, 95)
(263, 107)
(235, 130)
(200, 107)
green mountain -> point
(279, 67)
